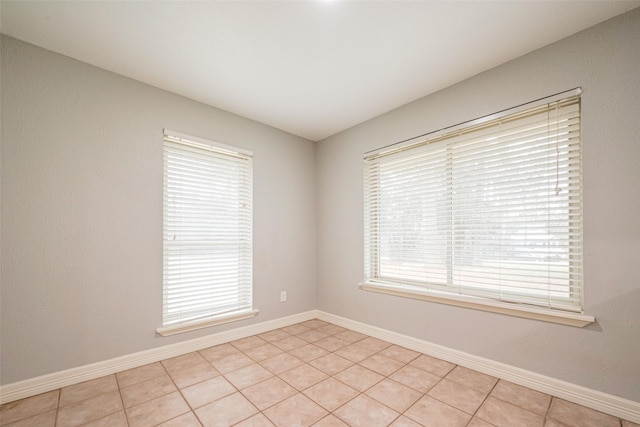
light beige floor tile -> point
(269, 392)
(248, 376)
(364, 411)
(303, 376)
(263, 352)
(400, 354)
(232, 362)
(331, 329)
(298, 410)
(330, 393)
(579, 416)
(312, 336)
(85, 390)
(500, 413)
(248, 342)
(415, 378)
(330, 421)
(189, 369)
(477, 422)
(46, 419)
(218, 352)
(140, 374)
(157, 410)
(308, 352)
(258, 420)
(141, 392)
(89, 410)
(472, 379)
(25, 408)
(626, 423)
(331, 343)
(275, 335)
(119, 419)
(458, 396)
(523, 397)
(432, 413)
(358, 377)
(374, 344)
(403, 421)
(355, 352)
(331, 364)
(295, 329)
(432, 365)
(226, 412)
(350, 336)
(393, 394)
(550, 422)
(207, 391)
(188, 375)
(184, 420)
(183, 361)
(314, 323)
(289, 343)
(382, 364)
(281, 363)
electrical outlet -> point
(283, 296)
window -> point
(207, 233)
(486, 211)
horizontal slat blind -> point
(207, 230)
(493, 210)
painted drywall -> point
(603, 60)
(82, 212)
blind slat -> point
(494, 210)
(207, 228)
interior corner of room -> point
(82, 197)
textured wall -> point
(605, 61)
(82, 211)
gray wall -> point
(82, 212)
(605, 61)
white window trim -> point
(240, 313)
(211, 321)
(577, 319)
(478, 303)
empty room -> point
(320, 213)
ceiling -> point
(312, 68)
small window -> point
(490, 210)
(207, 233)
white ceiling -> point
(311, 68)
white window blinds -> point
(207, 233)
(490, 210)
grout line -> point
(121, 399)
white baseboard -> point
(603, 402)
(56, 380)
(613, 405)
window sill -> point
(529, 312)
(211, 321)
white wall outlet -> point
(283, 296)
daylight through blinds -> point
(490, 210)
(207, 241)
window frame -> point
(190, 162)
(404, 287)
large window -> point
(207, 234)
(490, 210)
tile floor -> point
(309, 374)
